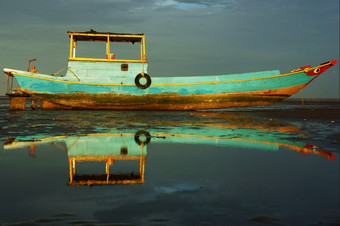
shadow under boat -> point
(221, 129)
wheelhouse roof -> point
(94, 36)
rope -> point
(67, 70)
(144, 59)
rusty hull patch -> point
(166, 101)
(157, 101)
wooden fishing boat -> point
(117, 83)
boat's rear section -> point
(101, 71)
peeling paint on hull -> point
(166, 101)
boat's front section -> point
(311, 73)
(270, 89)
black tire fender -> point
(143, 86)
(142, 133)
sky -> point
(183, 37)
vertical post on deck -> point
(107, 170)
(108, 52)
(71, 45)
(70, 169)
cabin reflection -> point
(107, 149)
(107, 178)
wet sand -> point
(312, 110)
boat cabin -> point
(108, 38)
(112, 67)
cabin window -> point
(125, 50)
(91, 50)
(124, 67)
(97, 50)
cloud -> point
(185, 5)
(202, 7)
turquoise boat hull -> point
(103, 85)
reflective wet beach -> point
(170, 168)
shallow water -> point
(227, 167)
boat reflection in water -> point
(229, 131)
(103, 148)
(106, 148)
